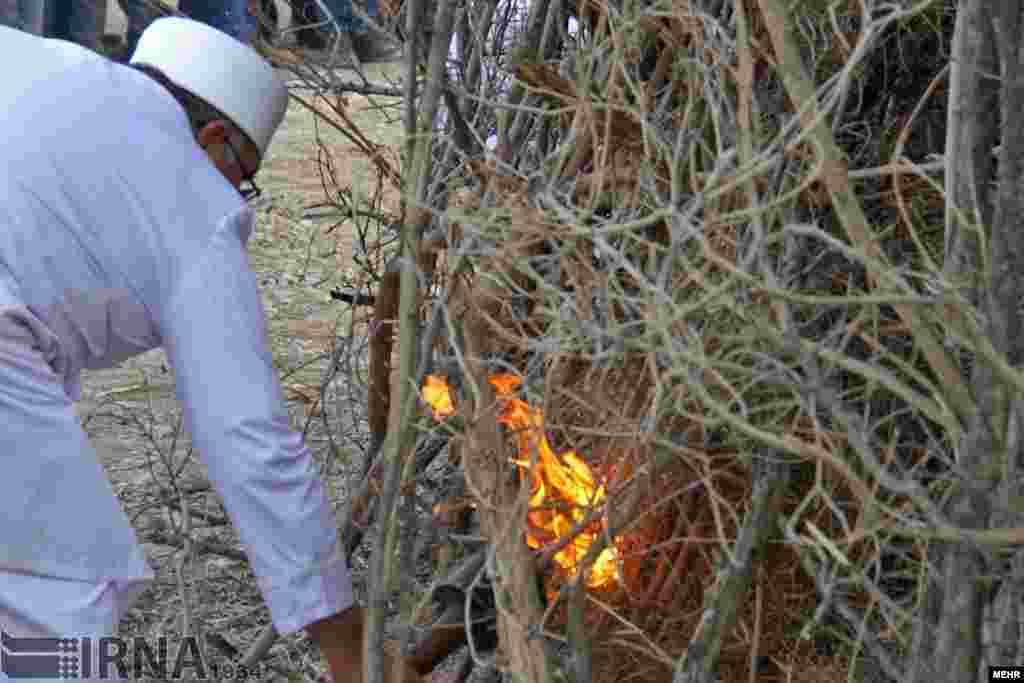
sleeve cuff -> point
(310, 598)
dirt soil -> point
(133, 418)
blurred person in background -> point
(368, 43)
(24, 15)
(139, 15)
(230, 16)
(233, 17)
(252, 20)
(79, 21)
(311, 25)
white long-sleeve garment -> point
(117, 235)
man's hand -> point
(340, 639)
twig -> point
(189, 626)
(348, 86)
(198, 546)
(698, 663)
(416, 218)
(260, 647)
(354, 298)
(847, 206)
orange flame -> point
(435, 392)
(564, 487)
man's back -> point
(106, 205)
(28, 61)
(105, 200)
(118, 232)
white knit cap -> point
(212, 65)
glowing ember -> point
(563, 485)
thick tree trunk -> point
(987, 46)
(970, 138)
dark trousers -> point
(17, 14)
(230, 16)
(139, 14)
(80, 21)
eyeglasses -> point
(253, 191)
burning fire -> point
(435, 392)
(564, 487)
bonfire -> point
(564, 487)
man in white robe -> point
(123, 228)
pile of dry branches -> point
(704, 247)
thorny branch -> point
(684, 244)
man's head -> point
(232, 97)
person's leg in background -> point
(140, 14)
(230, 16)
(314, 32)
(33, 606)
(305, 18)
(24, 15)
(348, 21)
(265, 12)
(86, 21)
(10, 14)
(33, 12)
(317, 29)
(79, 21)
(370, 44)
(241, 22)
(55, 18)
(367, 43)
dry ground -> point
(132, 416)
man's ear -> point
(213, 133)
